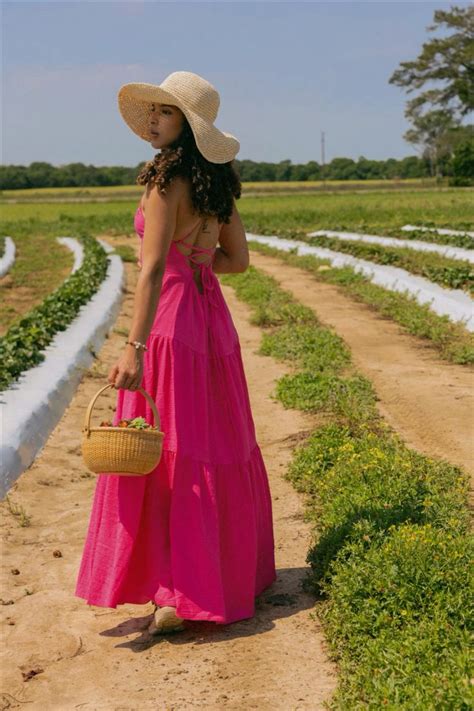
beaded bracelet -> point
(137, 345)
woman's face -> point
(167, 122)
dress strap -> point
(194, 247)
(185, 236)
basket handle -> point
(87, 420)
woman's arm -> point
(232, 255)
(223, 264)
(160, 225)
(145, 303)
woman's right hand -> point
(127, 373)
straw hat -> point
(197, 99)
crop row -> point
(459, 238)
(452, 273)
(22, 345)
(451, 340)
(391, 546)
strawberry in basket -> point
(138, 423)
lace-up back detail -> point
(202, 277)
(200, 250)
(202, 270)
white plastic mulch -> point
(105, 245)
(417, 245)
(32, 406)
(76, 248)
(439, 230)
(8, 258)
(454, 303)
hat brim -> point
(134, 101)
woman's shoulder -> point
(178, 185)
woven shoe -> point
(165, 620)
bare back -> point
(199, 231)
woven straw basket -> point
(121, 450)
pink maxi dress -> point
(197, 532)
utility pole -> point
(322, 158)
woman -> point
(195, 536)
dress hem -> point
(199, 617)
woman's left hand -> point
(127, 373)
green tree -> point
(342, 169)
(431, 131)
(437, 112)
(283, 170)
(448, 59)
(463, 164)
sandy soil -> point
(91, 658)
(428, 401)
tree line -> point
(45, 175)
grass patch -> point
(372, 211)
(18, 511)
(389, 560)
(126, 253)
(375, 212)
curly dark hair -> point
(213, 185)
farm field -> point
(356, 393)
(376, 205)
(290, 217)
(122, 192)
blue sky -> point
(285, 71)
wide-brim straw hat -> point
(197, 99)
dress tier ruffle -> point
(197, 532)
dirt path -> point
(429, 402)
(97, 658)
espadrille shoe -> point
(165, 620)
